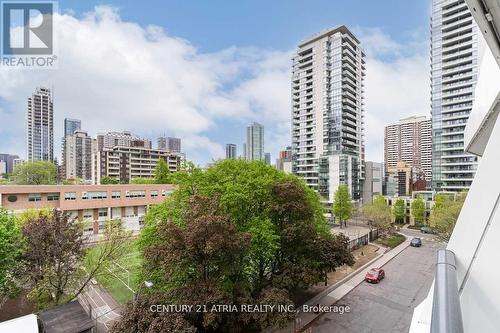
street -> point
(388, 306)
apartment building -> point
(284, 160)
(410, 141)
(8, 159)
(454, 72)
(170, 144)
(125, 163)
(255, 142)
(328, 112)
(92, 204)
(40, 126)
(125, 139)
(79, 149)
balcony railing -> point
(446, 311)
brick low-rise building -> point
(92, 204)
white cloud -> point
(117, 75)
(397, 85)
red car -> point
(374, 275)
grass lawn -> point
(116, 284)
(391, 241)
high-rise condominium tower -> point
(255, 142)
(40, 126)
(71, 125)
(230, 150)
(410, 141)
(454, 72)
(327, 112)
(171, 144)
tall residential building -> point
(410, 141)
(231, 150)
(171, 144)
(255, 142)
(40, 126)
(267, 158)
(123, 139)
(71, 125)
(373, 183)
(9, 162)
(79, 149)
(328, 112)
(454, 70)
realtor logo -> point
(27, 34)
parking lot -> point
(388, 306)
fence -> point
(363, 240)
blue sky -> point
(203, 70)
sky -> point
(204, 70)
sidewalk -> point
(340, 289)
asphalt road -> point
(388, 306)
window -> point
(116, 194)
(165, 192)
(135, 194)
(94, 195)
(88, 214)
(53, 196)
(103, 212)
(154, 194)
(35, 197)
(70, 196)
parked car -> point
(374, 275)
(416, 242)
(426, 230)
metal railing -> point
(446, 311)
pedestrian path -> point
(339, 290)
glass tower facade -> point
(454, 70)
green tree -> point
(162, 172)
(270, 224)
(342, 207)
(399, 211)
(36, 173)
(55, 267)
(11, 247)
(418, 211)
(106, 180)
(379, 213)
(142, 181)
(444, 215)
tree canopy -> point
(342, 207)
(418, 210)
(162, 172)
(444, 214)
(11, 247)
(36, 173)
(399, 211)
(237, 232)
(106, 180)
(379, 213)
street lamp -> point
(147, 284)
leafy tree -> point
(54, 266)
(202, 261)
(162, 172)
(36, 173)
(238, 232)
(418, 210)
(11, 247)
(379, 213)
(138, 318)
(444, 215)
(399, 211)
(142, 181)
(342, 207)
(106, 180)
